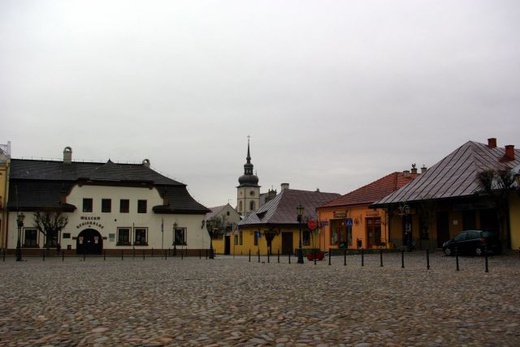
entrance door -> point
(227, 245)
(443, 228)
(287, 243)
(89, 241)
(373, 232)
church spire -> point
(248, 178)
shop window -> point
(140, 237)
(31, 238)
(124, 206)
(123, 237)
(179, 237)
(306, 237)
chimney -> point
(67, 155)
(414, 169)
(285, 186)
(423, 169)
(492, 142)
(510, 152)
(146, 163)
(406, 173)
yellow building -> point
(448, 198)
(5, 156)
(221, 221)
(348, 222)
(275, 225)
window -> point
(124, 206)
(87, 205)
(306, 234)
(257, 236)
(51, 241)
(236, 240)
(106, 205)
(241, 237)
(31, 238)
(252, 205)
(140, 237)
(179, 238)
(141, 206)
(123, 236)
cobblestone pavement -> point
(236, 302)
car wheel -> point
(479, 251)
(448, 251)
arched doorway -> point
(89, 241)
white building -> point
(111, 208)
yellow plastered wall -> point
(514, 219)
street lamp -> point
(19, 220)
(299, 211)
(209, 226)
(174, 239)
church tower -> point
(248, 190)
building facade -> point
(222, 220)
(449, 198)
(275, 225)
(111, 208)
(349, 222)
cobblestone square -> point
(234, 301)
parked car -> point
(474, 242)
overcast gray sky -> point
(334, 94)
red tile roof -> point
(373, 191)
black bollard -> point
(104, 255)
(330, 257)
(143, 254)
(43, 255)
(381, 256)
(268, 256)
(457, 258)
(258, 253)
(289, 257)
(427, 259)
(362, 257)
(278, 256)
(315, 256)
(402, 258)
(249, 255)
(345, 257)
(486, 255)
(84, 254)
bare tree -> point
(50, 221)
(497, 185)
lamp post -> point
(209, 226)
(299, 211)
(19, 221)
(175, 239)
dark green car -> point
(473, 242)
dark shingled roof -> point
(282, 209)
(373, 191)
(454, 176)
(39, 183)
